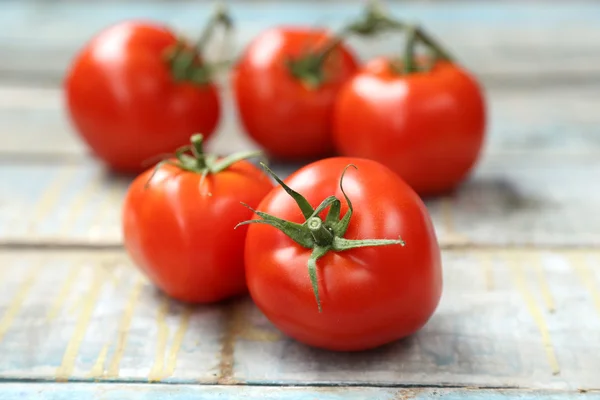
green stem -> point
(439, 52)
(323, 237)
(220, 17)
(409, 52)
(198, 150)
(198, 161)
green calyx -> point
(186, 60)
(309, 67)
(377, 21)
(322, 236)
(193, 159)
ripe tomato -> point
(428, 127)
(285, 85)
(130, 102)
(369, 295)
(179, 228)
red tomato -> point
(369, 295)
(427, 126)
(283, 113)
(179, 230)
(125, 102)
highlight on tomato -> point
(422, 116)
(136, 90)
(348, 274)
(179, 218)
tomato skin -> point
(370, 296)
(427, 127)
(282, 114)
(124, 102)
(181, 234)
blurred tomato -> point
(134, 92)
(285, 85)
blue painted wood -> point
(188, 392)
(87, 316)
(507, 318)
(494, 38)
(509, 200)
(550, 120)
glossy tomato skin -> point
(370, 296)
(281, 113)
(124, 102)
(427, 127)
(181, 234)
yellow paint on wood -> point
(112, 200)
(64, 291)
(534, 310)
(19, 298)
(255, 334)
(161, 341)
(82, 199)
(535, 259)
(451, 236)
(176, 345)
(487, 266)
(88, 304)
(582, 267)
(98, 368)
(51, 196)
(124, 325)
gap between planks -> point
(17, 246)
(108, 382)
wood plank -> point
(89, 316)
(499, 40)
(520, 200)
(206, 392)
(495, 327)
(561, 120)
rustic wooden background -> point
(520, 313)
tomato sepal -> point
(316, 234)
(186, 61)
(198, 161)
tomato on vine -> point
(285, 85)
(423, 117)
(178, 221)
(348, 274)
(136, 90)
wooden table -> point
(520, 313)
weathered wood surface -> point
(500, 40)
(552, 120)
(509, 200)
(507, 318)
(521, 238)
(189, 392)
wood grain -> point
(120, 391)
(114, 326)
(553, 120)
(481, 337)
(108, 324)
(511, 200)
(503, 41)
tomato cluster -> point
(342, 254)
